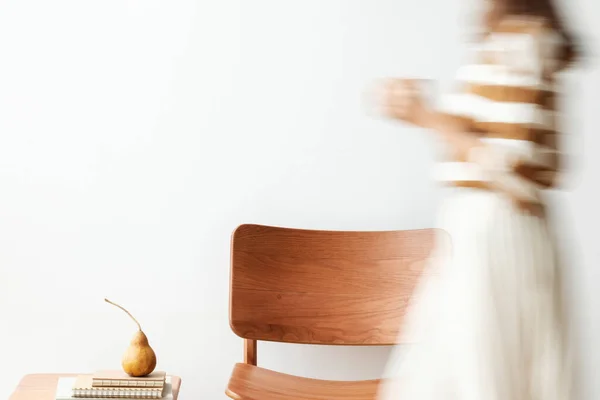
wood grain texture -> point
(324, 287)
(43, 387)
(250, 348)
(254, 383)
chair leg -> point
(250, 351)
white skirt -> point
(487, 321)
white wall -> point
(136, 134)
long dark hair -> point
(546, 9)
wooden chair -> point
(318, 287)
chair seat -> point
(249, 382)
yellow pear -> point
(139, 359)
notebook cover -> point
(121, 375)
(121, 379)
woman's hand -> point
(403, 99)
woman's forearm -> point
(454, 131)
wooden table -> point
(43, 387)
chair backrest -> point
(323, 287)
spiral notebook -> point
(80, 388)
(121, 379)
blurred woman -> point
(486, 322)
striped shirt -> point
(507, 98)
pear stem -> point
(128, 313)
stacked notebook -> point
(115, 385)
